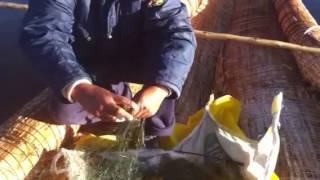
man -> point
(88, 50)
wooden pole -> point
(11, 5)
(215, 36)
(256, 41)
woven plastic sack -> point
(214, 131)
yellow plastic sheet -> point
(93, 142)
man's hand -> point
(149, 99)
(102, 103)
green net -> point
(108, 164)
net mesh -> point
(113, 163)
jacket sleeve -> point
(46, 39)
(170, 43)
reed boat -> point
(254, 74)
(250, 72)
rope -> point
(310, 29)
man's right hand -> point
(102, 103)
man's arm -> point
(170, 46)
(170, 43)
(46, 40)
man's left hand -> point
(149, 99)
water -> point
(18, 83)
(314, 8)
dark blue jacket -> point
(53, 31)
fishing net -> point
(146, 164)
(124, 157)
(109, 161)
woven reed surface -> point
(23, 140)
(195, 6)
(198, 86)
(255, 74)
(301, 28)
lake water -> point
(314, 8)
(18, 82)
